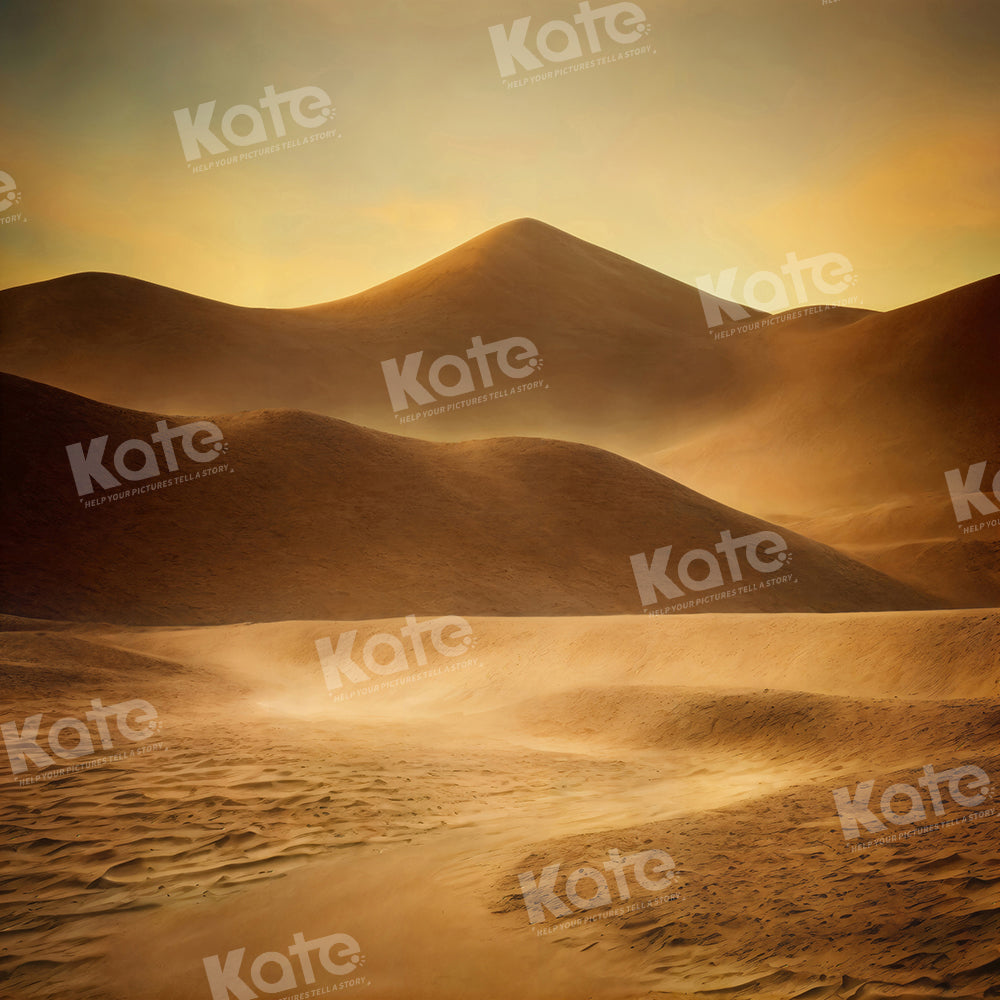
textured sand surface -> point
(272, 809)
(406, 804)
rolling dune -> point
(627, 353)
(288, 779)
(316, 518)
(794, 422)
(875, 409)
(625, 349)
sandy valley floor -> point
(272, 810)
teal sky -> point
(753, 129)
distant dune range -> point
(625, 349)
(318, 518)
(823, 422)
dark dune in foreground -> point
(317, 518)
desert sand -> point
(277, 780)
(838, 410)
(403, 816)
(312, 517)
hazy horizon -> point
(734, 139)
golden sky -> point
(748, 130)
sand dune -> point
(871, 411)
(275, 792)
(926, 655)
(914, 540)
(837, 409)
(851, 441)
(625, 349)
(317, 518)
(627, 353)
(268, 809)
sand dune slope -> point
(792, 421)
(315, 518)
(625, 349)
(871, 411)
(921, 656)
(628, 357)
(917, 540)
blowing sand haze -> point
(500, 502)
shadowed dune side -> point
(917, 540)
(874, 411)
(315, 518)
